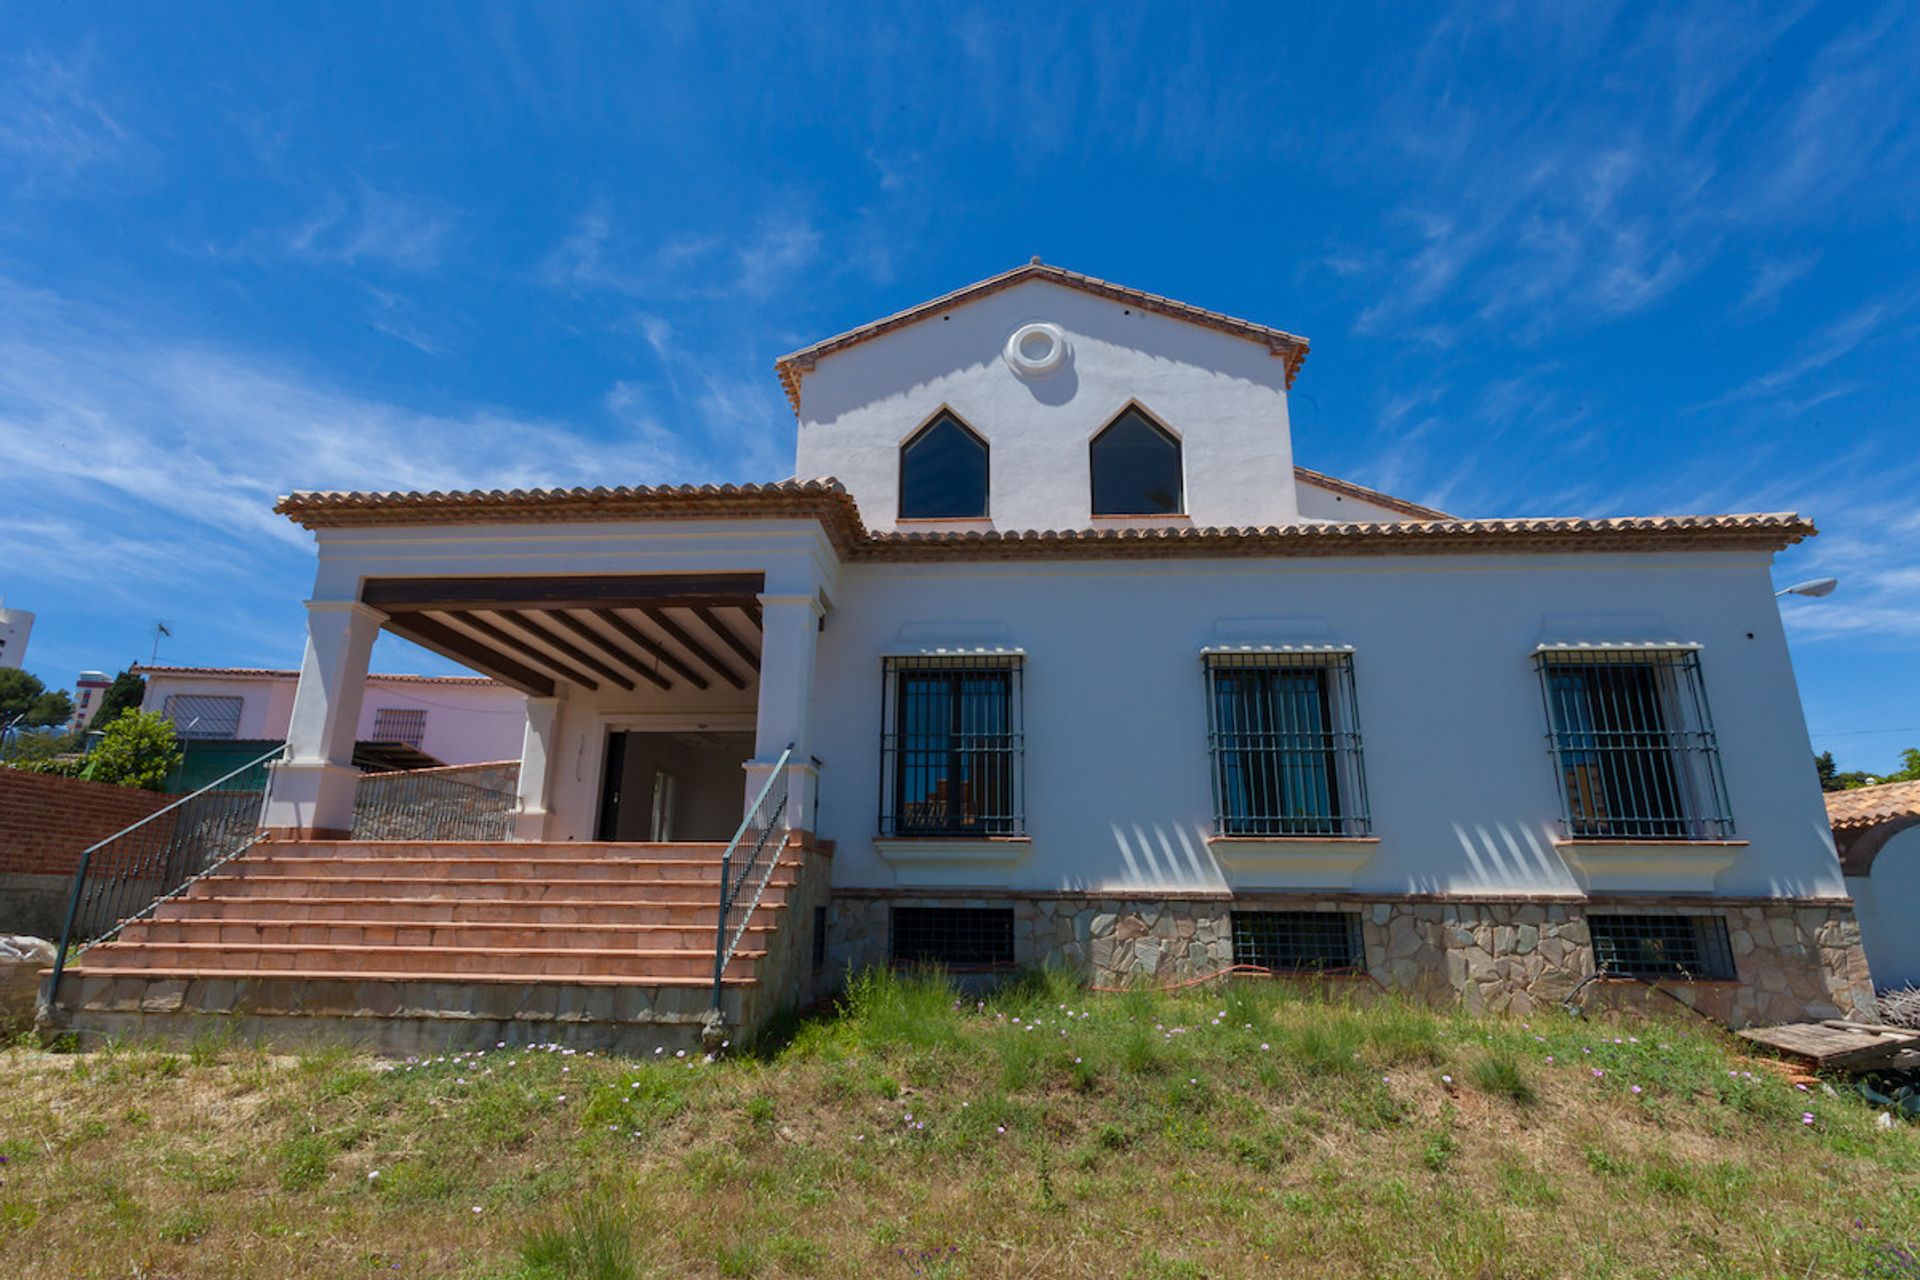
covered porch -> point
(660, 694)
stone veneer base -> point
(1795, 959)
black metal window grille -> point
(819, 939)
(1299, 941)
(951, 748)
(399, 724)
(1284, 733)
(952, 937)
(1633, 745)
(1661, 946)
(203, 716)
(943, 472)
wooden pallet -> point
(1835, 1045)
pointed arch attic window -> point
(943, 472)
(1136, 468)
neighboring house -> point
(1877, 832)
(428, 719)
(1070, 663)
(88, 691)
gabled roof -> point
(1866, 806)
(1333, 484)
(1287, 346)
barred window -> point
(951, 748)
(1661, 946)
(400, 724)
(1633, 744)
(1299, 941)
(952, 937)
(1284, 733)
(203, 716)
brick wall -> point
(46, 821)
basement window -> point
(1299, 941)
(1691, 947)
(952, 937)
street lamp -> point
(1814, 587)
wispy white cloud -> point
(54, 122)
(372, 226)
(1772, 279)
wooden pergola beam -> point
(403, 595)
(722, 632)
(678, 634)
(540, 626)
(514, 644)
(444, 640)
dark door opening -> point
(673, 786)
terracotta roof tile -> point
(1865, 806)
(829, 503)
(1333, 484)
(270, 673)
(1290, 347)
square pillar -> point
(310, 792)
(537, 751)
(789, 644)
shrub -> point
(137, 750)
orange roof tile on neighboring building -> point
(271, 673)
(1867, 806)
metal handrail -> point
(772, 818)
(159, 864)
(424, 804)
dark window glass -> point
(953, 937)
(1136, 469)
(1617, 755)
(954, 753)
(1662, 946)
(1299, 941)
(943, 472)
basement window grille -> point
(952, 937)
(402, 725)
(819, 939)
(1299, 941)
(951, 747)
(1284, 733)
(1694, 947)
(1633, 745)
(203, 716)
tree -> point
(25, 696)
(137, 750)
(125, 694)
(1909, 770)
(1832, 779)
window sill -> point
(1662, 865)
(944, 860)
(1305, 862)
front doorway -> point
(667, 786)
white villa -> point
(1061, 658)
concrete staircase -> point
(415, 946)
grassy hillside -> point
(1234, 1131)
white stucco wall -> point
(1321, 504)
(1225, 397)
(1888, 906)
(1463, 795)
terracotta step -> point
(375, 933)
(319, 976)
(628, 871)
(393, 910)
(376, 962)
(401, 887)
(632, 851)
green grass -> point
(1241, 1129)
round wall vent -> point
(1036, 350)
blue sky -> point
(1554, 260)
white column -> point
(311, 791)
(537, 752)
(789, 643)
